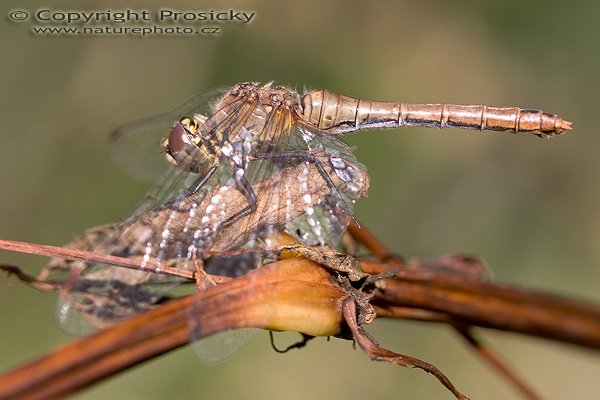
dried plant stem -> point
(296, 295)
(586, 314)
(487, 304)
(377, 353)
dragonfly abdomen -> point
(338, 114)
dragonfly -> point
(246, 165)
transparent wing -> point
(169, 236)
(95, 295)
(135, 146)
(221, 346)
(350, 182)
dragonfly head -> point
(184, 149)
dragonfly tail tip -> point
(565, 126)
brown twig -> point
(374, 245)
(282, 298)
(273, 297)
(73, 254)
(377, 353)
(488, 304)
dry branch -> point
(486, 304)
(279, 301)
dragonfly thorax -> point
(183, 147)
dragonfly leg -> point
(242, 184)
(201, 181)
(204, 280)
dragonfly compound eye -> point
(183, 152)
(179, 140)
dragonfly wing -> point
(95, 295)
(347, 180)
(221, 346)
(161, 238)
(135, 146)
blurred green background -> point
(528, 206)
